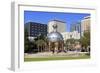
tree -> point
(85, 40)
(26, 43)
(70, 44)
(41, 42)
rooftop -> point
(58, 20)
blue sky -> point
(45, 17)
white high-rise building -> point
(85, 24)
(61, 26)
(69, 35)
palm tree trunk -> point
(38, 48)
(41, 48)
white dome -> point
(54, 37)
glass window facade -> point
(36, 28)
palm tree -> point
(70, 43)
(40, 44)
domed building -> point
(55, 40)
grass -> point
(55, 58)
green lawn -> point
(55, 58)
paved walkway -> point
(50, 54)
